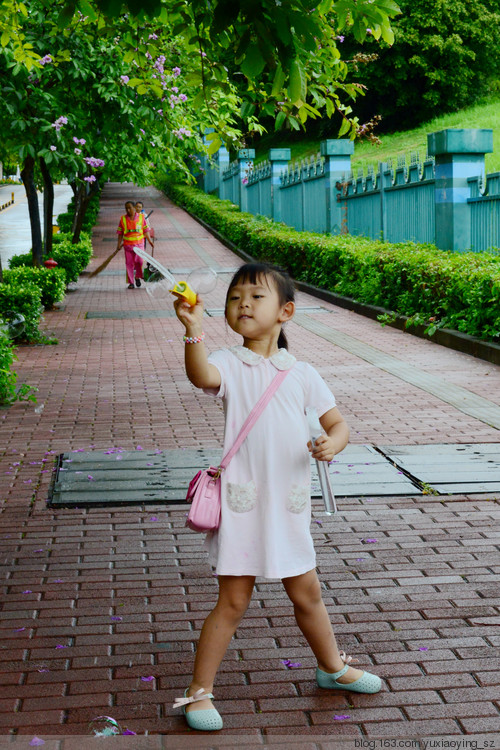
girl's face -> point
(254, 310)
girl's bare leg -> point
(235, 593)
(312, 618)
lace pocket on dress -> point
(297, 499)
(241, 497)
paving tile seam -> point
(460, 398)
(193, 243)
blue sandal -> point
(205, 720)
(367, 683)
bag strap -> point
(254, 415)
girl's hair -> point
(253, 272)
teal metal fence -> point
(447, 199)
(258, 189)
(485, 211)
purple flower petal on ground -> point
(369, 541)
(117, 618)
(147, 679)
(28, 591)
(289, 664)
(320, 523)
(36, 741)
(44, 669)
(139, 448)
(341, 717)
(129, 731)
(59, 645)
(360, 559)
(423, 648)
(153, 518)
(90, 478)
(19, 630)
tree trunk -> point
(1, 272)
(82, 198)
(48, 206)
(28, 178)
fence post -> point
(459, 155)
(245, 161)
(383, 169)
(279, 158)
(223, 163)
(337, 155)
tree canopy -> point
(102, 88)
(445, 56)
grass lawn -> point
(485, 115)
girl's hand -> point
(324, 449)
(191, 317)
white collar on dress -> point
(282, 359)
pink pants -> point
(132, 263)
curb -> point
(447, 337)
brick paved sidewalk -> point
(97, 600)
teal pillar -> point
(337, 155)
(279, 158)
(245, 161)
(459, 155)
(223, 163)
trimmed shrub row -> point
(431, 286)
(21, 298)
(27, 290)
(65, 220)
(7, 376)
(73, 258)
(51, 281)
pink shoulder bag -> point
(204, 491)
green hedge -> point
(22, 299)
(65, 219)
(7, 376)
(52, 282)
(442, 289)
(73, 258)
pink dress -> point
(266, 502)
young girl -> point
(266, 506)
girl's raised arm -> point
(198, 369)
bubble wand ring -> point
(180, 289)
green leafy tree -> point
(102, 71)
(445, 56)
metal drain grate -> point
(129, 314)
(126, 477)
(140, 477)
(450, 469)
(100, 478)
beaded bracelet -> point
(194, 339)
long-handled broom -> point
(108, 260)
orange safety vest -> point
(133, 229)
